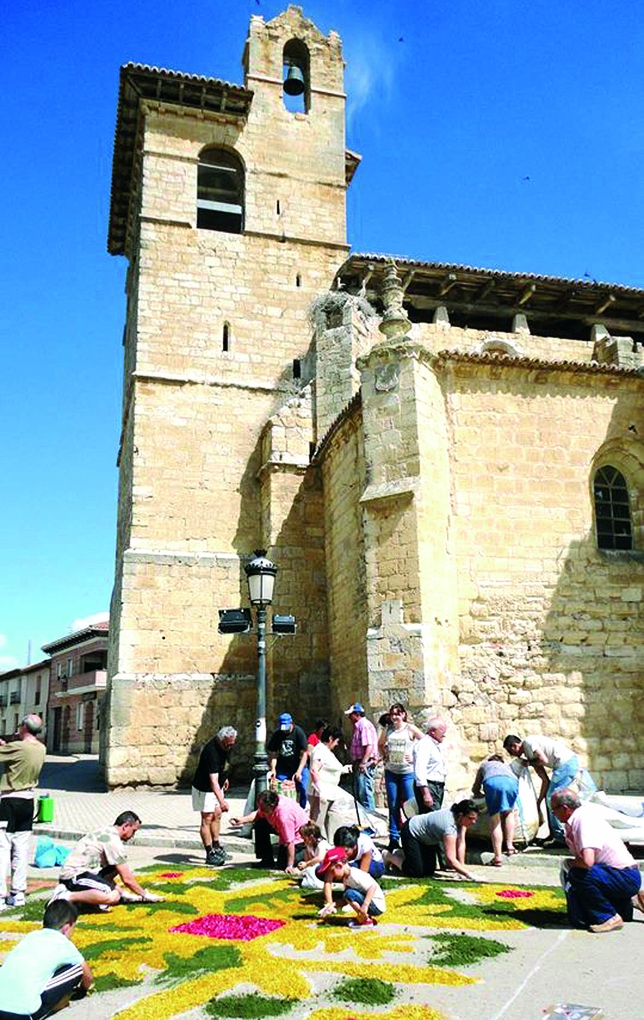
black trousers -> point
(437, 791)
(421, 859)
(264, 847)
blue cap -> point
(357, 707)
(285, 720)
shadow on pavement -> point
(77, 775)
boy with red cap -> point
(362, 893)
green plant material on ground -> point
(252, 900)
(108, 982)
(461, 950)
(368, 991)
(250, 1007)
(176, 906)
(33, 910)
(209, 958)
(96, 949)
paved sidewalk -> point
(81, 803)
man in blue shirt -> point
(45, 970)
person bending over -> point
(362, 894)
(602, 878)
(89, 873)
(284, 816)
(45, 970)
(422, 836)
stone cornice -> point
(174, 90)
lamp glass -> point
(261, 579)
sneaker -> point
(61, 892)
(613, 923)
(368, 923)
(16, 899)
(221, 849)
(215, 857)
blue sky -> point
(505, 134)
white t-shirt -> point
(363, 881)
(30, 965)
(399, 746)
(554, 751)
(366, 844)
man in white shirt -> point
(602, 878)
(544, 752)
(430, 768)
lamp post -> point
(261, 580)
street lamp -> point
(261, 581)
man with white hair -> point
(22, 759)
(430, 767)
(209, 786)
(602, 879)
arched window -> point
(612, 509)
(220, 191)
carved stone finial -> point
(395, 323)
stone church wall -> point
(551, 629)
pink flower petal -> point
(237, 927)
(172, 874)
(515, 894)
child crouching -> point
(362, 894)
(316, 847)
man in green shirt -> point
(21, 760)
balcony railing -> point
(96, 680)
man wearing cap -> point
(288, 752)
(22, 759)
(364, 755)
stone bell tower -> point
(229, 203)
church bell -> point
(294, 81)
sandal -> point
(496, 862)
(511, 853)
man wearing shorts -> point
(209, 786)
(88, 875)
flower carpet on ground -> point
(238, 943)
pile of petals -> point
(242, 928)
(515, 894)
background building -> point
(444, 462)
(78, 676)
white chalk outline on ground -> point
(537, 967)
